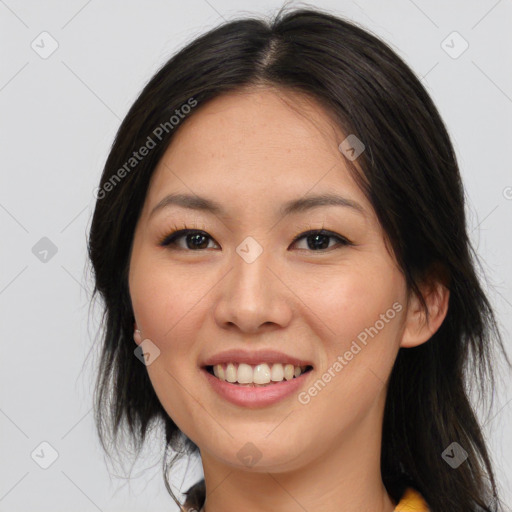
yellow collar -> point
(412, 501)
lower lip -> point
(257, 396)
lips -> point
(254, 396)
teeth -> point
(288, 372)
(260, 374)
(231, 372)
(277, 373)
(219, 372)
(245, 373)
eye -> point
(317, 240)
(194, 239)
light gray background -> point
(58, 118)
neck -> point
(345, 478)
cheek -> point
(353, 299)
(164, 301)
(360, 314)
(169, 316)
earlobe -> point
(416, 329)
(137, 337)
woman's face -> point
(244, 284)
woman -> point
(280, 229)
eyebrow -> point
(194, 202)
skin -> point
(251, 151)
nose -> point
(253, 296)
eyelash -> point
(169, 240)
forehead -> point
(256, 144)
(259, 122)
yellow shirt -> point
(411, 501)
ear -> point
(137, 337)
(416, 328)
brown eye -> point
(194, 240)
(318, 240)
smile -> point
(256, 375)
(253, 395)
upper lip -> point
(254, 357)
